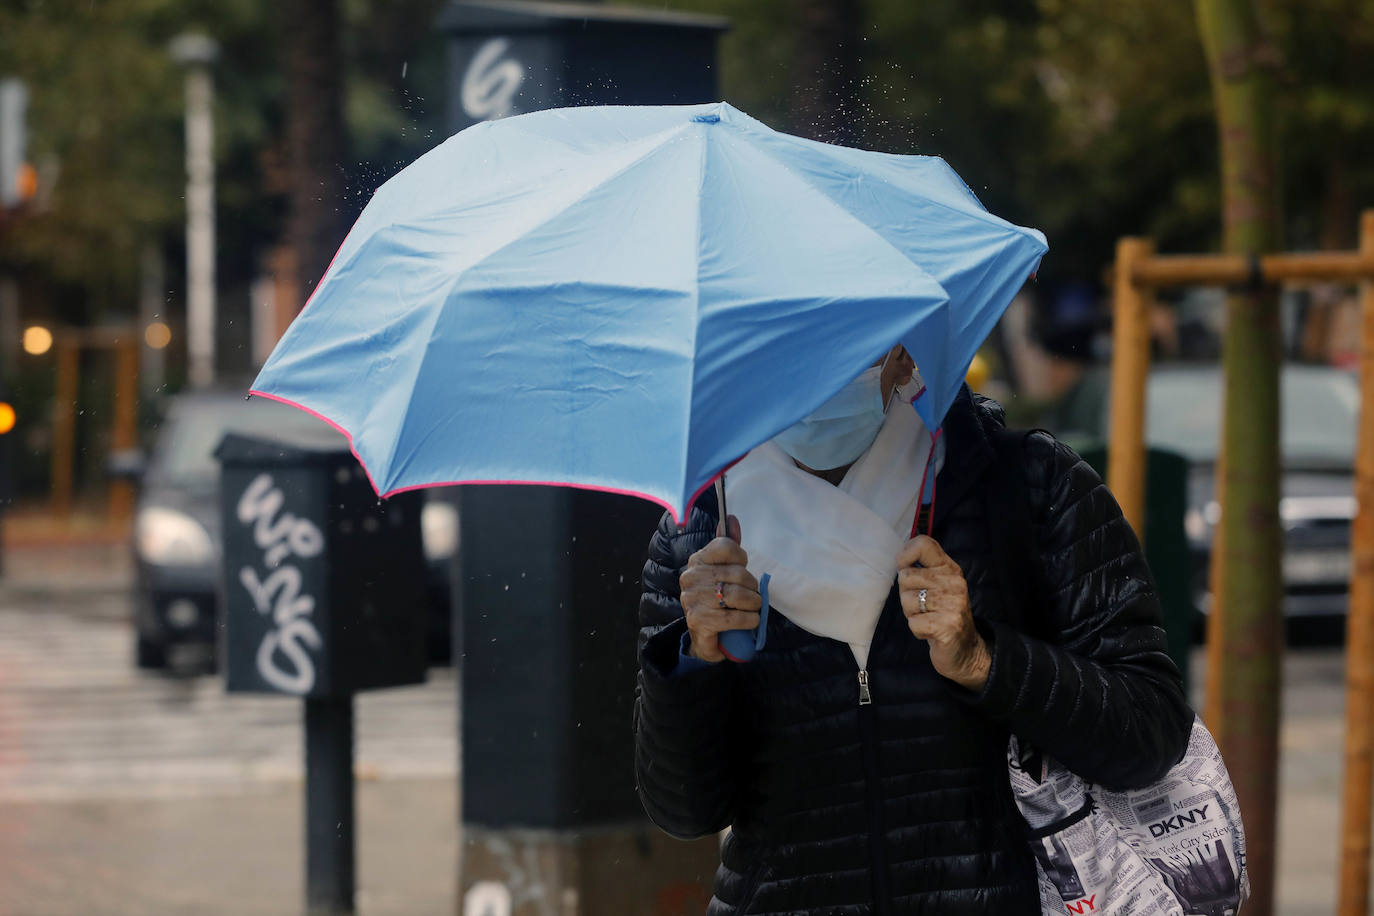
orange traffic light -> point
(26, 182)
(7, 417)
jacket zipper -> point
(872, 794)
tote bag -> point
(1173, 848)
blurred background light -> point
(157, 335)
(37, 340)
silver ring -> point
(921, 597)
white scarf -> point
(832, 550)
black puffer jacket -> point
(903, 806)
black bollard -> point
(323, 596)
(329, 842)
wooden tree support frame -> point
(1137, 274)
(68, 344)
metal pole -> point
(329, 845)
(1130, 365)
(1359, 652)
(198, 53)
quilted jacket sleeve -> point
(685, 731)
(1104, 699)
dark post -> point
(329, 844)
(549, 577)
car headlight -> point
(1195, 525)
(166, 537)
(1199, 522)
(439, 529)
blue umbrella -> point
(631, 298)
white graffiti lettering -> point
(290, 603)
(289, 640)
(294, 635)
(490, 83)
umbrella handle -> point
(740, 645)
(720, 504)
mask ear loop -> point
(925, 477)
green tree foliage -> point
(1324, 50)
(106, 131)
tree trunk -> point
(825, 100)
(1251, 583)
(315, 138)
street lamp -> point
(197, 53)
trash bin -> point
(323, 584)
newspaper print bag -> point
(1174, 848)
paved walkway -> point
(236, 854)
(125, 793)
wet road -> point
(124, 792)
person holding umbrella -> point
(859, 759)
(701, 292)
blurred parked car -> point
(177, 525)
(1319, 417)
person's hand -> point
(946, 623)
(720, 565)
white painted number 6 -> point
(490, 83)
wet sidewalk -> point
(125, 793)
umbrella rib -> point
(653, 148)
(839, 205)
(978, 211)
(688, 401)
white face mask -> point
(841, 429)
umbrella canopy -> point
(631, 298)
